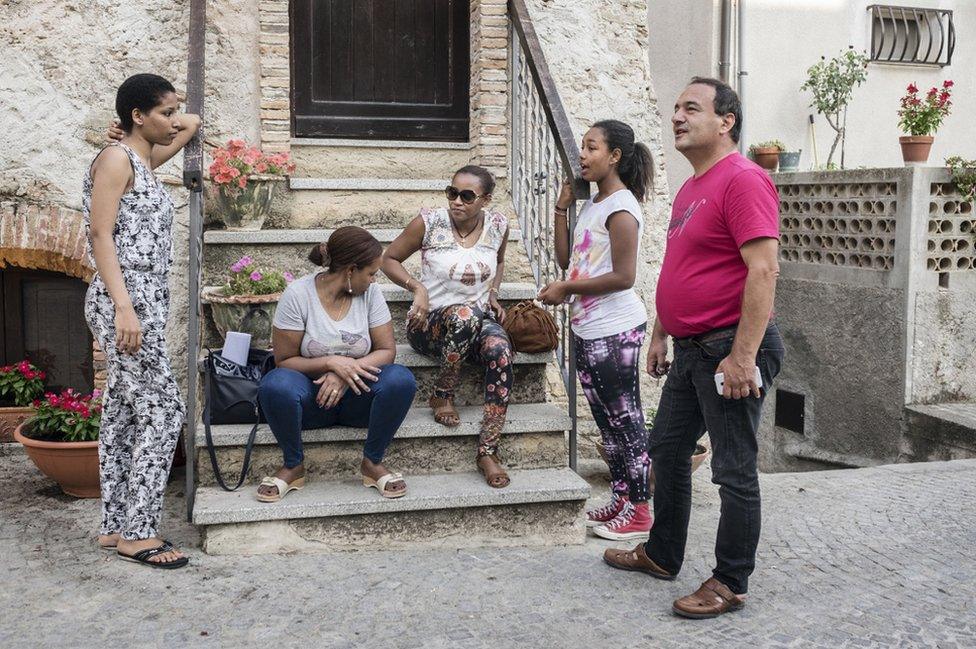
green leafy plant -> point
(832, 83)
(924, 116)
(247, 279)
(963, 175)
(66, 417)
(21, 383)
(768, 144)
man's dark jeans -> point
(690, 405)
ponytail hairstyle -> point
(347, 246)
(636, 167)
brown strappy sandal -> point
(444, 413)
(499, 480)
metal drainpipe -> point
(725, 44)
(741, 55)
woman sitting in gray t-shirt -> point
(334, 350)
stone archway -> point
(48, 237)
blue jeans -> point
(287, 399)
(690, 405)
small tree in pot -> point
(832, 84)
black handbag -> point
(231, 393)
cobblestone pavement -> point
(870, 558)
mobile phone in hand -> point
(720, 380)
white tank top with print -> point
(451, 273)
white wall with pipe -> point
(785, 37)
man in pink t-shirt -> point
(715, 300)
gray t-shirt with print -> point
(300, 309)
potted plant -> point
(242, 183)
(61, 438)
(789, 161)
(832, 84)
(920, 119)
(20, 384)
(766, 154)
(247, 302)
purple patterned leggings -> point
(608, 370)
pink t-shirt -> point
(703, 275)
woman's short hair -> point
(143, 91)
(483, 175)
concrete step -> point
(399, 301)
(533, 439)
(288, 250)
(539, 507)
(323, 158)
(942, 431)
(530, 379)
(310, 204)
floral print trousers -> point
(608, 369)
(143, 409)
(462, 332)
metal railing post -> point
(193, 181)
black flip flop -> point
(144, 556)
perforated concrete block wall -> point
(841, 224)
(951, 241)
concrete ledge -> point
(530, 524)
(367, 184)
(522, 418)
(381, 144)
(307, 236)
(350, 498)
(509, 291)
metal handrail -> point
(193, 181)
(543, 151)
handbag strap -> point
(209, 435)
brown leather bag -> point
(531, 328)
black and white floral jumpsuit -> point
(143, 409)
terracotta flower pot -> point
(767, 157)
(915, 148)
(73, 465)
(10, 418)
(251, 314)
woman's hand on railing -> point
(331, 389)
(417, 315)
(553, 293)
(353, 372)
(566, 196)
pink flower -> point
(242, 182)
(912, 88)
(948, 83)
(247, 260)
(289, 277)
(256, 276)
(237, 267)
(261, 167)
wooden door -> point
(380, 69)
(43, 321)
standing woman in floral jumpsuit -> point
(128, 220)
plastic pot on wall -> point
(915, 148)
(789, 161)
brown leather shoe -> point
(635, 560)
(712, 599)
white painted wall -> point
(783, 39)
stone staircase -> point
(381, 186)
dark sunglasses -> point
(467, 195)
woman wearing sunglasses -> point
(455, 314)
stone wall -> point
(875, 304)
(597, 53)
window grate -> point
(912, 35)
